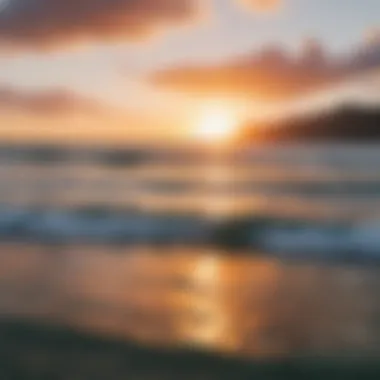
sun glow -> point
(216, 125)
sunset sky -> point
(118, 69)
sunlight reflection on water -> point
(242, 304)
(207, 303)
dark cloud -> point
(46, 23)
(46, 103)
(271, 74)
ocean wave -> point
(278, 236)
(304, 238)
(99, 225)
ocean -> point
(255, 252)
(289, 199)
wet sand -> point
(30, 351)
(243, 305)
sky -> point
(82, 69)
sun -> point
(216, 124)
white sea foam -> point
(291, 238)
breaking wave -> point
(292, 238)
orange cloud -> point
(270, 74)
(48, 23)
(261, 5)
